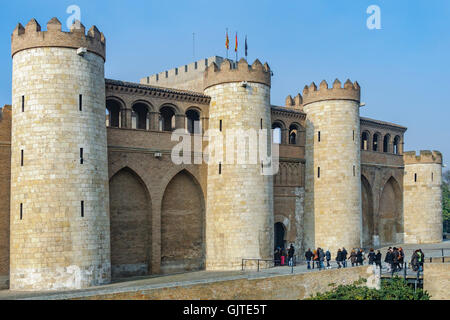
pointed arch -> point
(367, 212)
(130, 224)
(390, 217)
(182, 225)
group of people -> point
(281, 256)
(318, 257)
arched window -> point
(365, 141)
(139, 116)
(386, 142)
(276, 133)
(113, 108)
(375, 143)
(293, 134)
(396, 145)
(167, 119)
(193, 121)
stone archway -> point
(279, 235)
(182, 225)
(390, 218)
(130, 213)
(367, 212)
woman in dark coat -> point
(359, 257)
(378, 259)
(371, 256)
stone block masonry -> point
(59, 204)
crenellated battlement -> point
(350, 91)
(257, 72)
(296, 102)
(425, 156)
(31, 36)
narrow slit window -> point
(353, 135)
(80, 102)
(220, 125)
(21, 158)
(220, 168)
(81, 156)
(318, 172)
(261, 124)
(82, 209)
(318, 136)
(354, 171)
(23, 103)
(432, 176)
(21, 211)
(415, 177)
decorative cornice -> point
(382, 124)
(157, 92)
(283, 111)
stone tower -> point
(333, 160)
(239, 218)
(422, 197)
(59, 170)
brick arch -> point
(390, 216)
(148, 104)
(182, 224)
(130, 224)
(175, 107)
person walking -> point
(308, 256)
(328, 257)
(378, 259)
(421, 259)
(388, 259)
(316, 258)
(339, 258)
(359, 257)
(344, 257)
(371, 256)
(291, 252)
(321, 258)
(401, 258)
(283, 256)
(395, 259)
(415, 260)
(353, 257)
(276, 256)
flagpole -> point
(227, 46)
(236, 50)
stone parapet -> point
(350, 91)
(425, 156)
(243, 72)
(33, 37)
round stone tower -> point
(333, 166)
(422, 197)
(59, 170)
(239, 218)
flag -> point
(227, 42)
(246, 47)
(236, 47)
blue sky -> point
(403, 68)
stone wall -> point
(54, 243)
(5, 181)
(423, 200)
(283, 287)
(239, 215)
(333, 195)
(436, 279)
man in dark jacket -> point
(389, 259)
(328, 257)
(344, 257)
(378, 259)
(291, 252)
(308, 257)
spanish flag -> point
(227, 42)
(235, 48)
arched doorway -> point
(113, 109)
(167, 118)
(367, 212)
(140, 119)
(182, 225)
(130, 214)
(193, 121)
(279, 235)
(390, 220)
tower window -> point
(415, 177)
(354, 171)
(157, 77)
(82, 209)
(432, 176)
(220, 125)
(21, 211)
(318, 172)
(220, 167)
(176, 71)
(148, 80)
(318, 136)
(185, 68)
(81, 156)
(353, 135)
(23, 103)
(195, 65)
(167, 74)
(21, 158)
(261, 123)
(80, 103)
